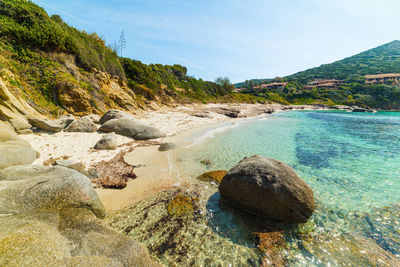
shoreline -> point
(151, 166)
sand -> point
(152, 167)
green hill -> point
(353, 91)
(56, 68)
(382, 59)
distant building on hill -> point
(393, 78)
(324, 83)
(274, 85)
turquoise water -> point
(352, 162)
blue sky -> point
(241, 39)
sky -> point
(240, 39)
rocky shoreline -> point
(51, 212)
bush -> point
(25, 24)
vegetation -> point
(354, 91)
(154, 76)
(26, 25)
(42, 57)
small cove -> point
(349, 159)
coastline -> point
(152, 167)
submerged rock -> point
(175, 227)
(83, 125)
(214, 176)
(133, 128)
(268, 188)
(107, 142)
(167, 147)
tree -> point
(122, 42)
(225, 83)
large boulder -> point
(133, 128)
(268, 188)
(48, 217)
(14, 150)
(26, 188)
(107, 142)
(65, 237)
(83, 125)
(113, 114)
(93, 117)
(51, 125)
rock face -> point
(167, 146)
(113, 114)
(48, 218)
(107, 142)
(14, 150)
(268, 188)
(133, 128)
(83, 125)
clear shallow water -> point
(352, 162)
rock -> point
(93, 117)
(66, 237)
(48, 218)
(133, 128)
(113, 114)
(167, 146)
(357, 109)
(206, 162)
(14, 150)
(203, 114)
(77, 166)
(114, 173)
(46, 125)
(83, 125)
(269, 110)
(170, 222)
(268, 188)
(214, 176)
(27, 188)
(107, 142)
(229, 112)
(92, 173)
(66, 120)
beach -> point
(151, 166)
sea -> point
(350, 160)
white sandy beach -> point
(153, 175)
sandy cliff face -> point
(14, 109)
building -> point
(392, 78)
(274, 85)
(324, 83)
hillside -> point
(52, 68)
(352, 90)
(382, 59)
